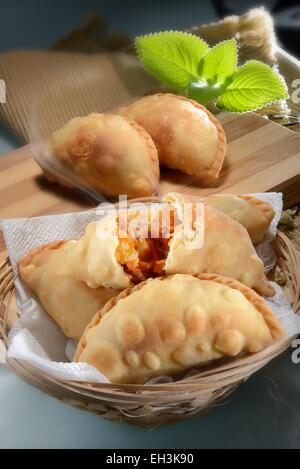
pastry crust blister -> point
(170, 324)
(187, 135)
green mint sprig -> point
(185, 63)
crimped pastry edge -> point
(265, 208)
(150, 144)
(24, 261)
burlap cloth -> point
(94, 68)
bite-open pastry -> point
(187, 135)
(117, 256)
(254, 214)
(47, 271)
(167, 325)
(109, 153)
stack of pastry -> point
(144, 305)
(120, 153)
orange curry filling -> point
(145, 257)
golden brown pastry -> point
(254, 214)
(187, 135)
(108, 153)
(167, 325)
(71, 303)
(227, 250)
(109, 256)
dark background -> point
(38, 24)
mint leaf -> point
(220, 62)
(254, 85)
(171, 57)
(202, 91)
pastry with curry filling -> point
(108, 255)
(170, 324)
(109, 153)
(188, 137)
(70, 302)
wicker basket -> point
(151, 405)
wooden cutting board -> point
(261, 156)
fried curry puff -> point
(254, 214)
(108, 153)
(167, 325)
(188, 137)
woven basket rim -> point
(210, 377)
(150, 405)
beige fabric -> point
(46, 89)
(254, 32)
